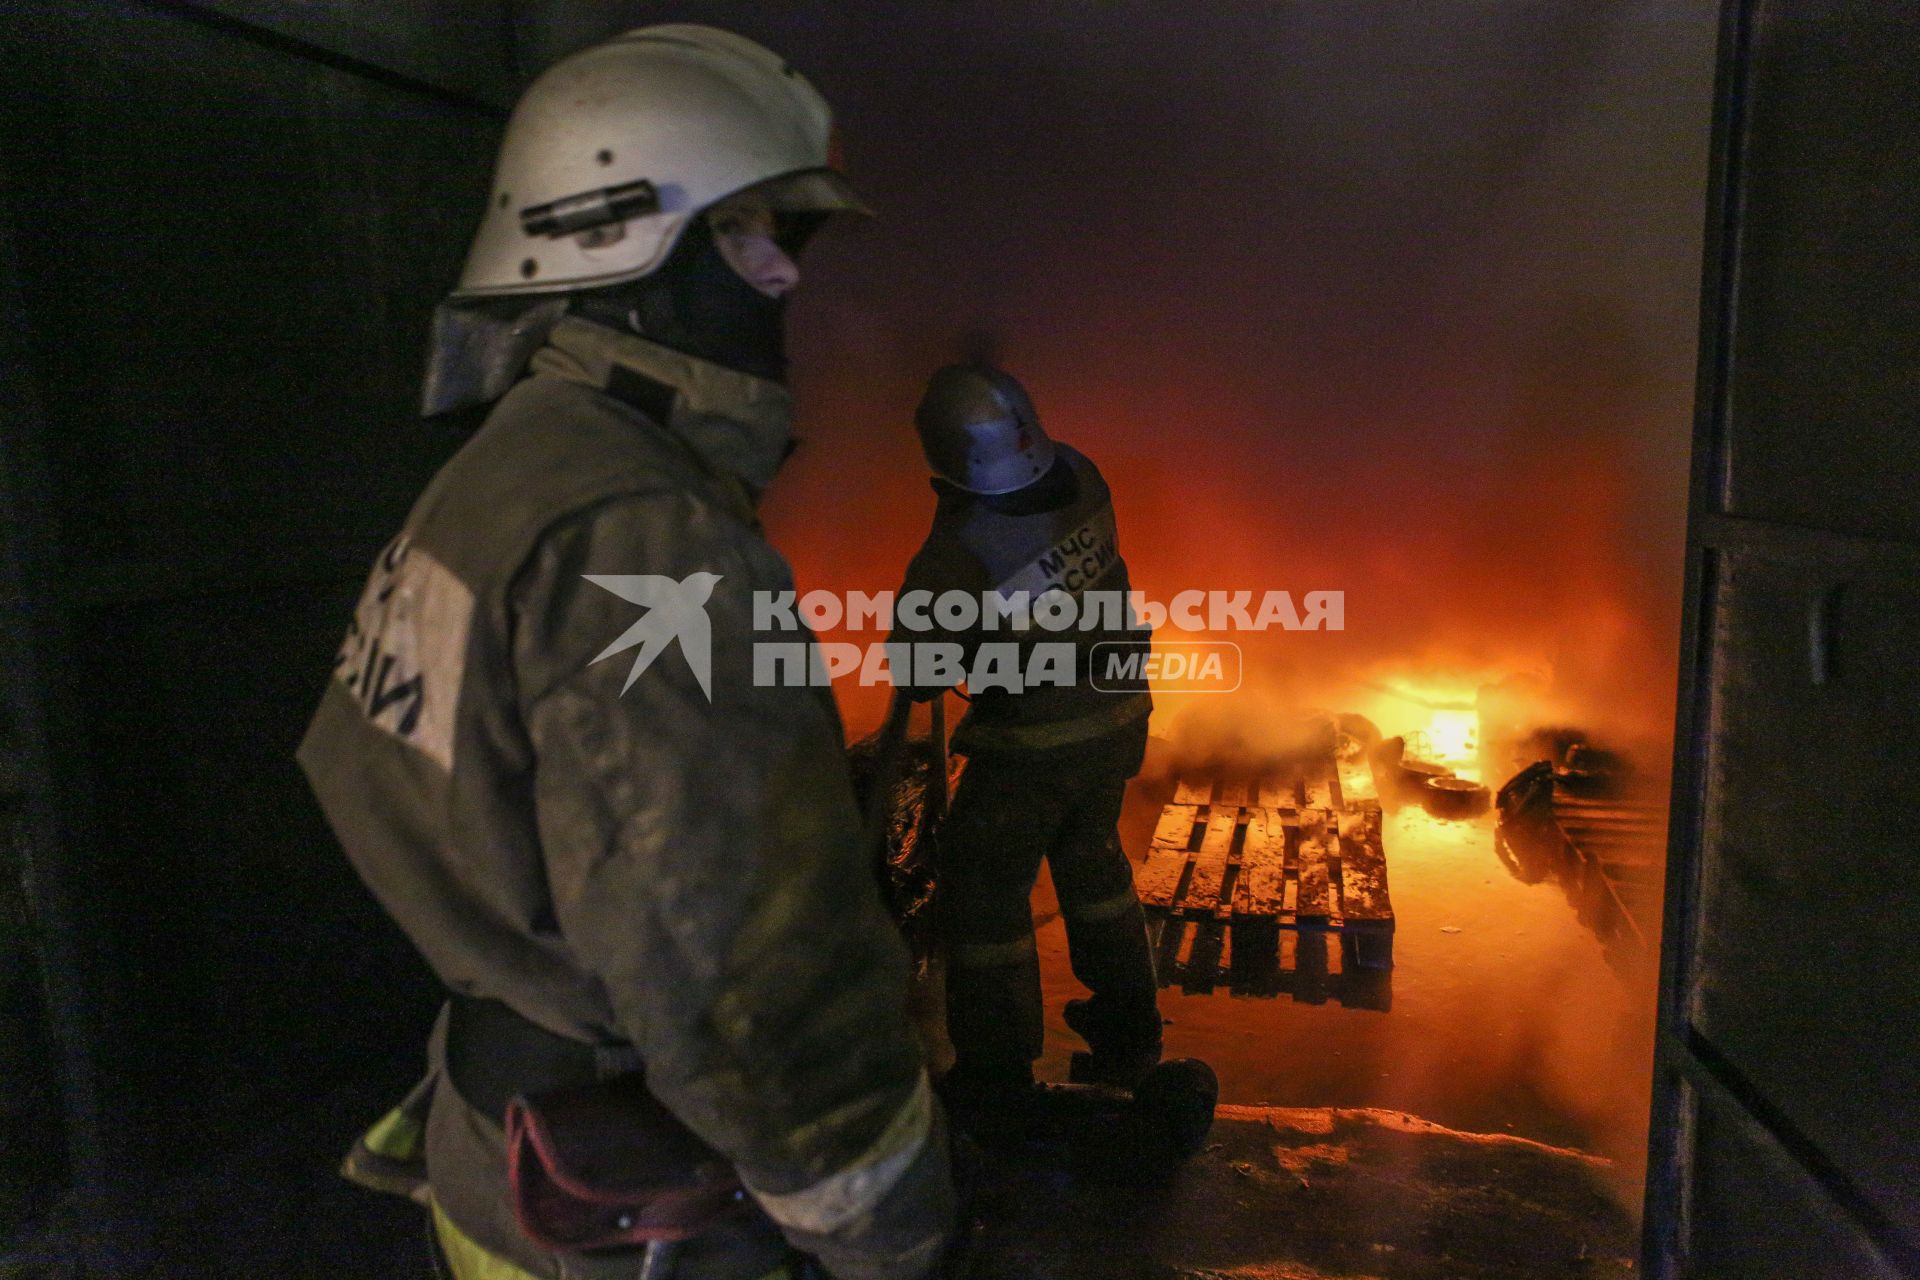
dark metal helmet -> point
(980, 432)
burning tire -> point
(1354, 737)
(1402, 777)
(1417, 775)
(1450, 797)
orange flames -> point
(1547, 558)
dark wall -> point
(225, 241)
(1790, 1057)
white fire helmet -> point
(980, 432)
(613, 150)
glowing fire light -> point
(1441, 723)
(1453, 737)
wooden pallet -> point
(1255, 875)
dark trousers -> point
(1011, 810)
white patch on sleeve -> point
(405, 655)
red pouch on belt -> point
(605, 1166)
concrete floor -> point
(1317, 1194)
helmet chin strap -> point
(697, 304)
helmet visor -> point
(812, 191)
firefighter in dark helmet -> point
(1027, 518)
(543, 747)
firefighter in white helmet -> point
(1023, 516)
(544, 749)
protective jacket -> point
(1057, 535)
(1047, 779)
(544, 751)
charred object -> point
(1454, 797)
(915, 802)
(1568, 820)
(1103, 1133)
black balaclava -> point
(696, 304)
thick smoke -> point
(1397, 300)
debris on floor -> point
(1316, 1194)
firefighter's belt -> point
(594, 1161)
(495, 1055)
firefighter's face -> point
(746, 232)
